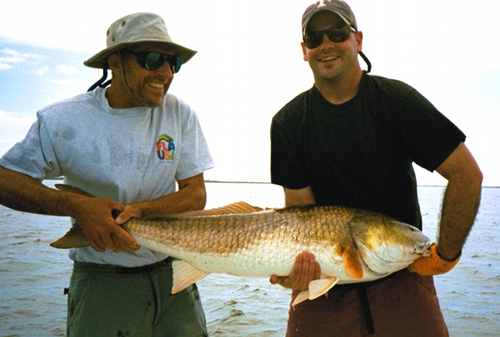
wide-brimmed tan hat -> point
(134, 29)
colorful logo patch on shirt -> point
(165, 148)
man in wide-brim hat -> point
(139, 151)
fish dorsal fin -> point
(185, 275)
(317, 288)
(234, 208)
(352, 263)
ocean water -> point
(33, 275)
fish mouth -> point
(422, 248)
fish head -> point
(387, 245)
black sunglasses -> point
(315, 39)
(152, 60)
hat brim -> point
(100, 60)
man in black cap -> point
(351, 140)
(140, 151)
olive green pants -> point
(108, 300)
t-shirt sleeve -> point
(34, 155)
(428, 135)
(195, 157)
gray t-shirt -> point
(129, 155)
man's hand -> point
(305, 270)
(101, 230)
(433, 264)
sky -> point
(249, 64)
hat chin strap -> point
(100, 83)
(124, 76)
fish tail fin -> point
(352, 263)
(74, 238)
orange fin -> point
(352, 263)
(185, 275)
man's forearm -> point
(460, 205)
(191, 196)
(23, 193)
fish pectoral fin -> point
(317, 288)
(352, 263)
(321, 287)
(185, 275)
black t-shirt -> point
(360, 153)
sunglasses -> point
(152, 60)
(315, 39)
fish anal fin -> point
(352, 263)
(185, 275)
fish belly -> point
(258, 261)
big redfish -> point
(351, 245)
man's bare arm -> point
(23, 193)
(94, 215)
(191, 196)
(459, 209)
(461, 201)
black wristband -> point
(449, 260)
